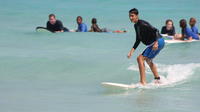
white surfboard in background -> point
(180, 41)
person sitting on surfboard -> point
(150, 36)
(95, 28)
(192, 25)
(186, 32)
(54, 25)
(82, 27)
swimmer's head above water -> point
(52, 19)
(169, 24)
(133, 15)
(183, 23)
(192, 21)
(79, 20)
(94, 21)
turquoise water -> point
(44, 72)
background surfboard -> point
(179, 41)
(41, 29)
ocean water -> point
(63, 72)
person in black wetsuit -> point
(54, 25)
(149, 36)
(168, 28)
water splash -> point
(171, 75)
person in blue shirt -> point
(187, 32)
(192, 25)
(82, 27)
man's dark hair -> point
(79, 17)
(52, 15)
(94, 21)
(134, 11)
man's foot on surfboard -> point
(157, 80)
(142, 83)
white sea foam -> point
(170, 74)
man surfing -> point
(149, 36)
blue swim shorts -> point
(150, 53)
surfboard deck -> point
(179, 41)
(44, 29)
(41, 29)
(167, 36)
(117, 85)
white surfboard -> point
(41, 29)
(167, 36)
(111, 85)
(44, 29)
(179, 41)
(72, 30)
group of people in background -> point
(187, 32)
(55, 25)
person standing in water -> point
(54, 25)
(82, 27)
(149, 36)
